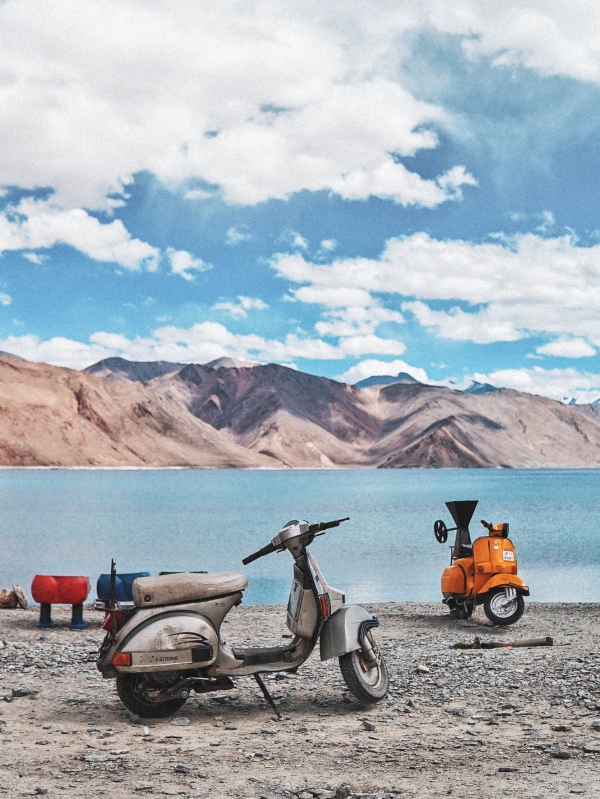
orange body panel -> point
(458, 578)
(494, 563)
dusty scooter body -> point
(483, 572)
(171, 643)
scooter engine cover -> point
(171, 641)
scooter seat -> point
(169, 589)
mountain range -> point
(230, 414)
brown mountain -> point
(228, 414)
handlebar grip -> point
(259, 554)
(320, 526)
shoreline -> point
(525, 721)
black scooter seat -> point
(169, 589)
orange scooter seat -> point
(170, 589)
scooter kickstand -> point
(267, 695)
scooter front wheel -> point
(503, 606)
(368, 685)
(131, 693)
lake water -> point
(74, 521)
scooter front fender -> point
(341, 631)
(504, 580)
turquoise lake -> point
(55, 521)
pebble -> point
(422, 669)
(368, 725)
(180, 721)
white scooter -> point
(171, 644)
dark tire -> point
(367, 685)
(130, 689)
(501, 611)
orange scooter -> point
(482, 572)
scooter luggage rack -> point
(123, 607)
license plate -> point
(161, 658)
(509, 555)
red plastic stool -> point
(51, 590)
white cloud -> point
(374, 368)
(482, 328)
(554, 383)
(235, 236)
(328, 244)
(40, 224)
(567, 348)
(33, 225)
(515, 288)
(259, 99)
(239, 309)
(5, 299)
(183, 264)
(200, 343)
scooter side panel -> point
(170, 641)
(456, 579)
(340, 632)
(154, 636)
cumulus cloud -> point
(35, 224)
(200, 343)
(558, 384)
(567, 348)
(236, 236)
(373, 368)
(239, 309)
(258, 100)
(508, 288)
(184, 264)
(39, 224)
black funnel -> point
(462, 511)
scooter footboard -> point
(342, 631)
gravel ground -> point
(507, 722)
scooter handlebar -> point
(319, 527)
(259, 554)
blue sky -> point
(348, 190)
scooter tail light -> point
(324, 603)
(121, 659)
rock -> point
(21, 598)
(591, 749)
(180, 721)
(343, 792)
(368, 725)
(182, 768)
(94, 758)
(559, 754)
(561, 728)
(40, 791)
(8, 599)
(20, 692)
(422, 669)
(412, 703)
(507, 769)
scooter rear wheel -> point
(367, 685)
(130, 688)
(501, 610)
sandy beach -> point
(505, 722)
